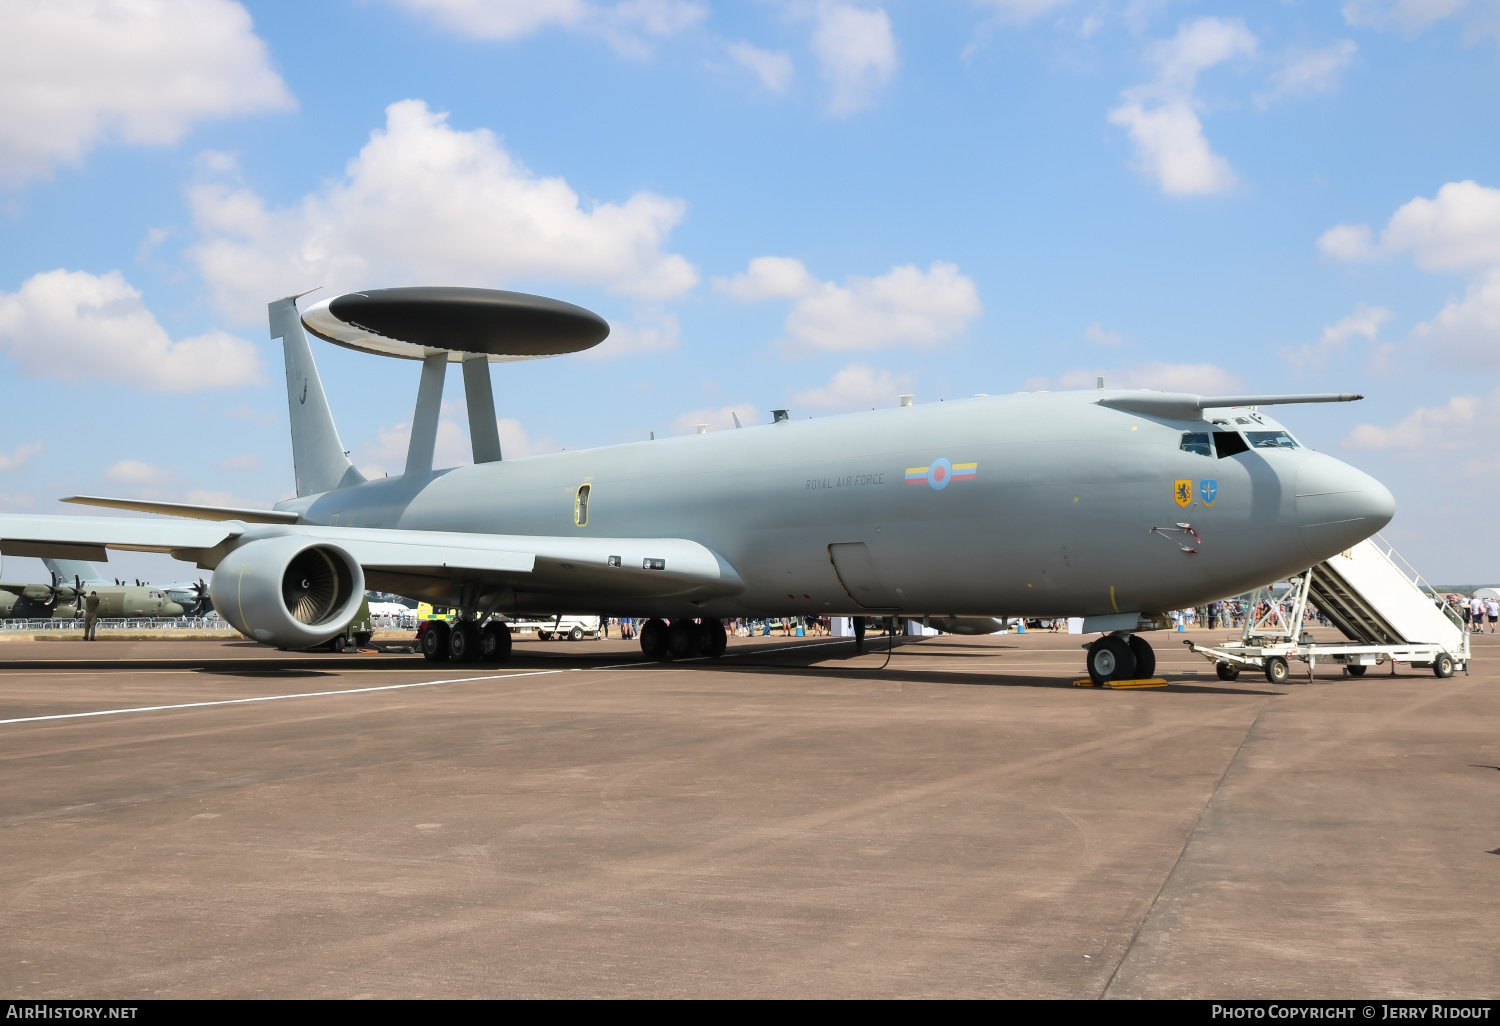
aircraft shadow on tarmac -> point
(911, 676)
(270, 672)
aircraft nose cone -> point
(1338, 506)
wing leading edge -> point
(431, 563)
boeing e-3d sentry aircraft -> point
(1115, 506)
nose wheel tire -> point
(1110, 658)
(1442, 666)
(463, 642)
(494, 642)
(1145, 657)
(435, 641)
(1277, 671)
(1355, 670)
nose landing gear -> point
(1121, 657)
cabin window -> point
(581, 506)
(1271, 440)
(1196, 442)
(1229, 443)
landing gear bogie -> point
(683, 639)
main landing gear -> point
(683, 639)
(465, 641)
(1121, 657)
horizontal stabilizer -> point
(187, 509)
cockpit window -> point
(1271, 440)
(1229, 443)
(1197, 442)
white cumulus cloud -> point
(1409, 16)
(1458, 230)
(138, 472)
(1315, 70)
(770, 277)
(1467, 331)
(72, 325)
(907, 306)
(423, 202)
(1458, 422)
(653, 332)
(773, 68)
(1364, 323)
(1161, 116)
(386, 453)
(75, 73)
(1019, 12)
(20, 455)
(1199, 378)
(857, 386)
(622, 24)
(857, 52)
(1096, 334)
(717, 418)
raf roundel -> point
(940, 473)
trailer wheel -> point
(1355, 670)
(1442, 666)
(576, 634)
(1277, 670)
(1227, 671)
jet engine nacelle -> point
(292, 592)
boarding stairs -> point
(1376, 599)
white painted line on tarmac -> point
(272, 698)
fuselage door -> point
(856, 572)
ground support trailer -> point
(1382, 606)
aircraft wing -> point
(408, 562)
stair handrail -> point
(1408, 571)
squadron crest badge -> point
(1209, 490)
(1182, 491)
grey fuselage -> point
(1055, 520)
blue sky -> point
(818, 204)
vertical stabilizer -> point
(318, 456)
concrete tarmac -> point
(790, 821)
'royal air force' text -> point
(847, 481)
